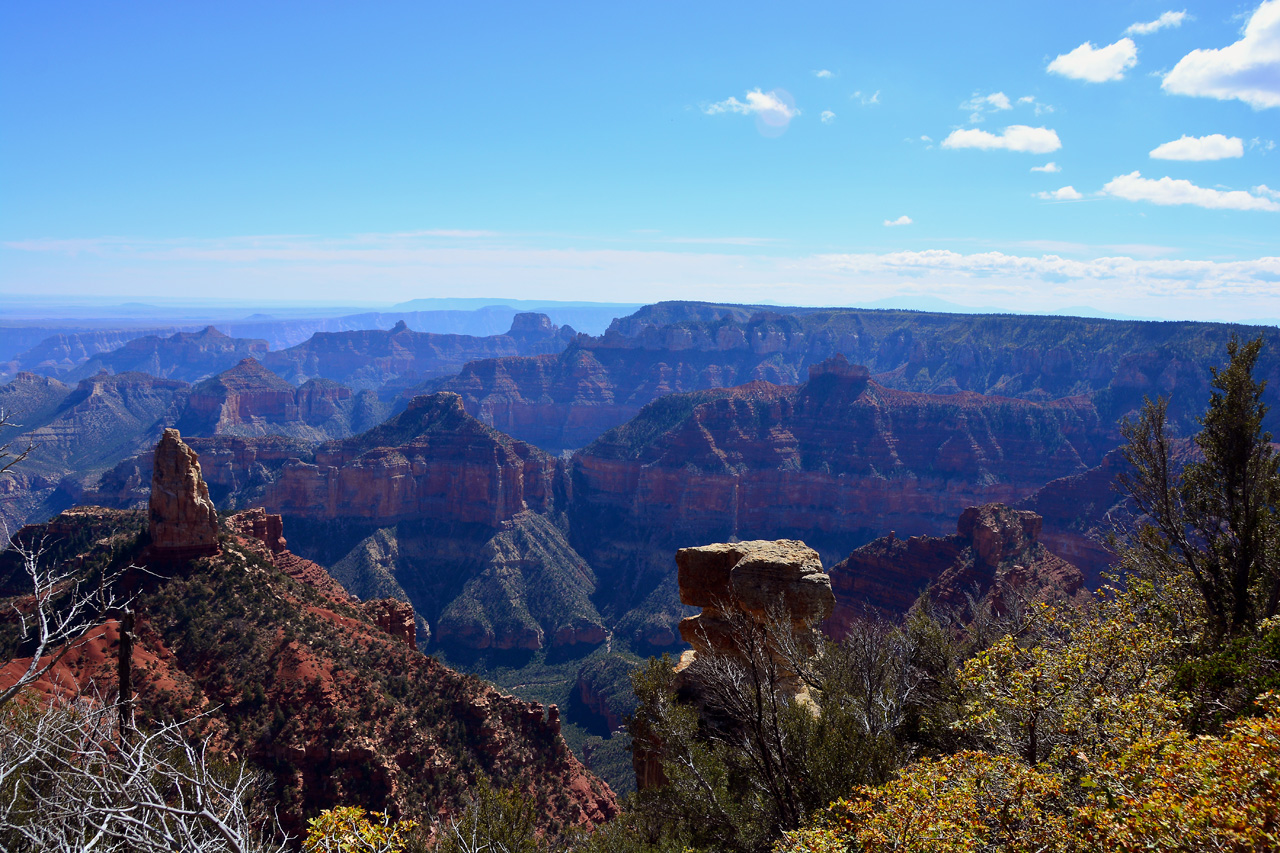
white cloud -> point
(1067, 193)
(993, 102)
(867, 100)
(828, 116)
(1097, 64)
(1264, 144)
(767, 105)
(1248, 70)
(1050, 167)
(901, 220)
(1168, 19)
(1215, 146)
(1264, 190)
(1017, 137)
(824, 74)
(1168, 191)
(926, 138)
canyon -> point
(553, 572)
(271, 660)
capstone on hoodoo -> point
(760, 580)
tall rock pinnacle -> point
(183, 521)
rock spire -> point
(183, 521)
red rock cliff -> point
(995, 549)
(431, 461)
(827, 459)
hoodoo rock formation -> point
(995, 549)
(182, 519)
(766, 582)
(750, 593)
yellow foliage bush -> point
(350, 829)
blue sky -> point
(377, 152)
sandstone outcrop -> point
(1080, 512)
(394, 617)
(995, 550)
(263, 533)
(182, 520)
(765, 582)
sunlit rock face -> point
(777, 585)
(182, 519)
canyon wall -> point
(566, 401)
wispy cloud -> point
(1017, 137)
(1030, 100)
(901, 220)
(867, 100)
(824, 74)
(1097, 64)
(1067, 193)
(1050, 167)
(980, 105)
(757, 103)
(441, 232)
(827, 116)
(1168, 19)
(1215, 146)
(1247, 70)
(724, 241)
(397, 267)
(1168, 191)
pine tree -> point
(1215, 518)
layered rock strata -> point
(249, 400)
(565, 401)
(431, 461)
(319, 694)
(995, 551)
(834, 462)
(263, 533)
